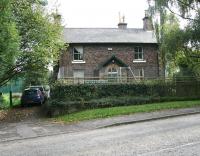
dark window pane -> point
(136, 49)
(140, 56)
(141, 73)
(140, 49)
(136, 55)
(76, 56)
(76, 51)
(114, 70)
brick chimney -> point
(122, 25)
(147, 23)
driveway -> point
(178, 136)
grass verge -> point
(5, 101)
(125, 110)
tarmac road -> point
(179, 136)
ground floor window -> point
(78, 76)
(139, 73)
(112, 74)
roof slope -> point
(108, 35)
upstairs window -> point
(139, 54)
(78, 53)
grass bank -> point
(5, 101)
(125, 110)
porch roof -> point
(115, 60)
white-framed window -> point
(138, 53)
(78, 76)
(112, 72)
(139, 73)
(78, 53)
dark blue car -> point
(32, 96)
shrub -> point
(56, 107)
(72, 98)
(88, 92)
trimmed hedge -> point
(88, 92)
(72, 98)
(55, 107)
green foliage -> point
(40, 40)
(72, 98)
(184, 8)
(88, 92)
(171, 45)
(125, 110)
(193, 39)
(9, 40)
(5, 101)
(175, 42)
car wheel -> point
(22, 104)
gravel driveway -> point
(20, 114)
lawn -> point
(125, 110)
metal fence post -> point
(11, 102)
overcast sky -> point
(100, 13)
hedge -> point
(56, 107)
(72, 98)
(88, 92)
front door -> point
(113, 73)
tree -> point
(9, 42)
(170, 43)
(41, 37)
(41, 40)
(176, 42)
(181, 8)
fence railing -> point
(97, 80)
(177, 87)
(119, 80)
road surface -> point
(178, 136)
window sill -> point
(139, 61)
(78, 61)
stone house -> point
(110, 53)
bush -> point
(88, 92)
(56, 107)
(72, 98)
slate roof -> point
(108, 35)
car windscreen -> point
(40, 88)
(30, 92)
